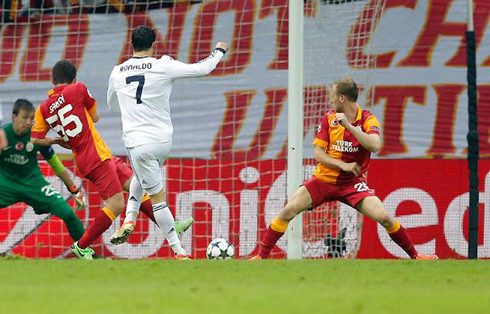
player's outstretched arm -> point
(176, 69)
(39, 131)
(48, 141)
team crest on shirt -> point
(19, 146)
(335, 122)
(319, 129)
(29, 147)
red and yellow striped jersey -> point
(67, 112)
(341, 144)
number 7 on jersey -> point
(139, 90)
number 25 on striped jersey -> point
(139, 90)
(65, 120)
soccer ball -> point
(220, 249)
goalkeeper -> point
(21, 179)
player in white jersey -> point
(141, 88)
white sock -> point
(165, 221)
(136, 194)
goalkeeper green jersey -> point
(18, 160)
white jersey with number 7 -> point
(141, 87)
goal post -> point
(338, 39)
(295, 123)
(236, 132)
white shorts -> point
(146, 161)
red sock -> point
(147, 209)
(402, 238)
(102, 222)
(270, 239)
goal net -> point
(339, 39)
(227, 167)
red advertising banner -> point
(238, 201)
(430, 198)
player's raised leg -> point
(135, 197)
(105, 178)
(102, 222)
(166, 221)
(300, 202)
(43, 198)
(59, 208)
(147, 209)
(373, 208)
(127, 228)
(146, 161)
(137, 200)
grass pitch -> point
(271, 286)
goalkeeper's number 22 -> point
(139, 90)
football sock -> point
(275, 231)
(135, 197)
(400, 236)
(165, 221)
(147, 209)
(102, 222)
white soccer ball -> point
(220, 249)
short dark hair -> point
(64, 72)
(347, 87)
(142, 38)
(22, 104)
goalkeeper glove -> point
(78, 196)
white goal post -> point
(295, 123)
(307, 43)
